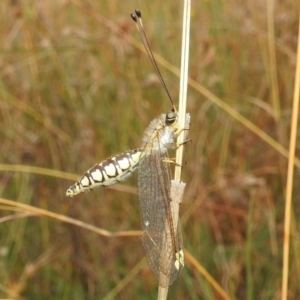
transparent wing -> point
(161, 237)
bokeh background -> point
(76, 88)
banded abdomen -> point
(108, 172)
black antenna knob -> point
(138, 13)
(133, 17)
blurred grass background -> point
(75, 89)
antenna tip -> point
(133, 17)
(138, 13)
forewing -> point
(161, 237)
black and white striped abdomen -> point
(108, 172)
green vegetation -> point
(75, 88)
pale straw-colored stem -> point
(183, 84)
(290, 177)
(163, 291)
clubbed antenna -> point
(137, 18)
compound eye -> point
(171, 117)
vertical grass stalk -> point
(290, 175)
(163, 291)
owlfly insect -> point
(162, 239)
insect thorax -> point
(162, 132)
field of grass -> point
(76, 88)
